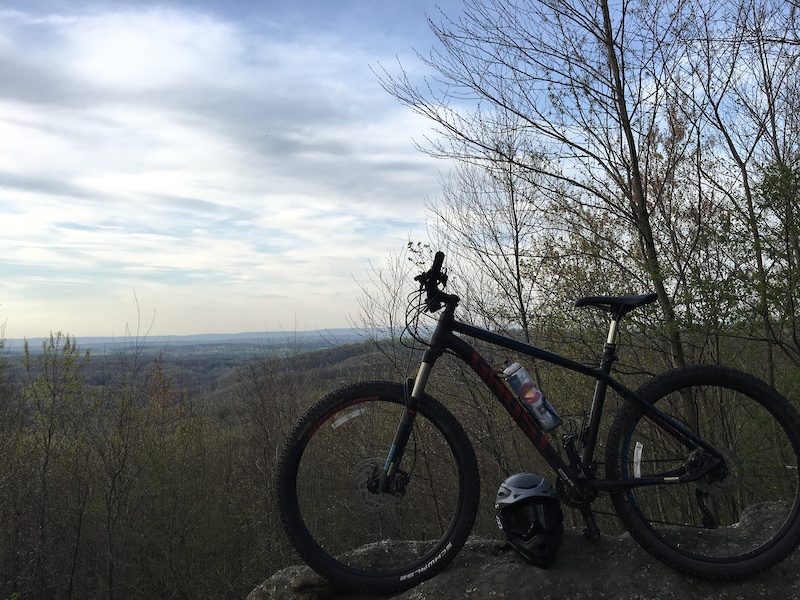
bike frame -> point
(578, 473)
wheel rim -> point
(723, 520)
(367, 532)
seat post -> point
(613, 328)
(589, 435)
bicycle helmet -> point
(529, 514)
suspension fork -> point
(414, 390)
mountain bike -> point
(378, 483)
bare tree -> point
(587, 84)
(382, 307)
(493, 223)
(739, 77)
(646, 135)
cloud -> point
(152, 49)
(196, 160)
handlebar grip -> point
(438, 259)
(430, 281)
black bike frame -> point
(575, 474)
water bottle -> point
(532, 398)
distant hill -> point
(208, 364)
(301, 340)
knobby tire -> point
(735, 523)
(367, 540)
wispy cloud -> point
(235, 177)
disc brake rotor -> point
(731, 479)
(363, 475)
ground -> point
(611, 567)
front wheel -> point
(742, 516)
(334, 511)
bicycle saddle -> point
(618, 305)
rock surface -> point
(611, 567)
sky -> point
(186, 167)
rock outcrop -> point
(611, 567)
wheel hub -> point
(366, 477)
(724, 478)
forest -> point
(124, 475)
(596, 148)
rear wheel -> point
(741, 517)
(337, 519)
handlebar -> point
(429, 283)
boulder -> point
(610, 567)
